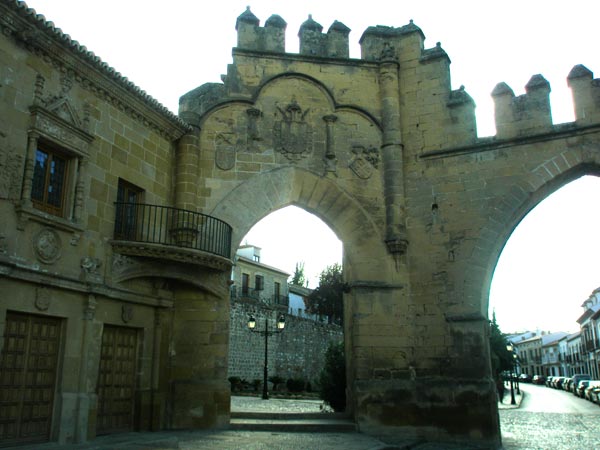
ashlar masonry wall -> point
(297, 352)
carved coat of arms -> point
(292, 135)
(225, 151)
(365, 161)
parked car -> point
(538, 379)
(549, 381)
(557, 382)
(591, 392)
(594, 394)
(581, 387)
(566, 385)
(580, 377)
(524, 378)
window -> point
(49, 186)
(277, 290)
(259, 282)
(128, 198)
(245, 283)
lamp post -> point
(509, 347)
(266, 333)
(516, 364)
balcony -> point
(170, 233)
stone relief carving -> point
(292, 135)
(89, 269)
(225, 151)
(47, 245)
(365, 161)
(121, 263)
(127, 313)
(60, 106)
(43, 297)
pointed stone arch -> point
(524, 196)
(259, 196)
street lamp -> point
(516, 363)
(509, 347)
(266, 333)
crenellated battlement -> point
(526, 114)
(442, 117)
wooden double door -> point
(28, 375)
(117, 380)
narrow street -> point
(551, 419)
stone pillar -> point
(199, 390)
(186, 175)
(392, 154)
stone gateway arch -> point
(380, 148)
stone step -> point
(290, 422)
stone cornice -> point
(172, 253)
(40, 36)
(15, 270)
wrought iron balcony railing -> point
(139, 222)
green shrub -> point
(276, 380)
(295, 384)
(236, 383)
(333, 377)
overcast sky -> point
(550, 264)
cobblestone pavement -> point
(525, 430)
(521, 430)
(277, 405)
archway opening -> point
(277, 268)
(546, 272)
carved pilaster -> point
(330, 159)
(89, 311)
(253, 135)
(392, 154)
(38, 91)
(79, 190)
(29, 168)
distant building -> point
(589, 322)
(254, 281)
(550, 353)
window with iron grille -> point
(49, 187)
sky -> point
(550, 264)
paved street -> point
(550, 419)
(567, 423)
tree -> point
(502, 359)
(332, 381)
(328, 298)
(299, 279)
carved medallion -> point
(47, 245)
(42, 298)
(365, 161)
(224, 151)
(292, 135)
(127, 313)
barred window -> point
(49, 180)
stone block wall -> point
(297, 352)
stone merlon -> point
(586, 94)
